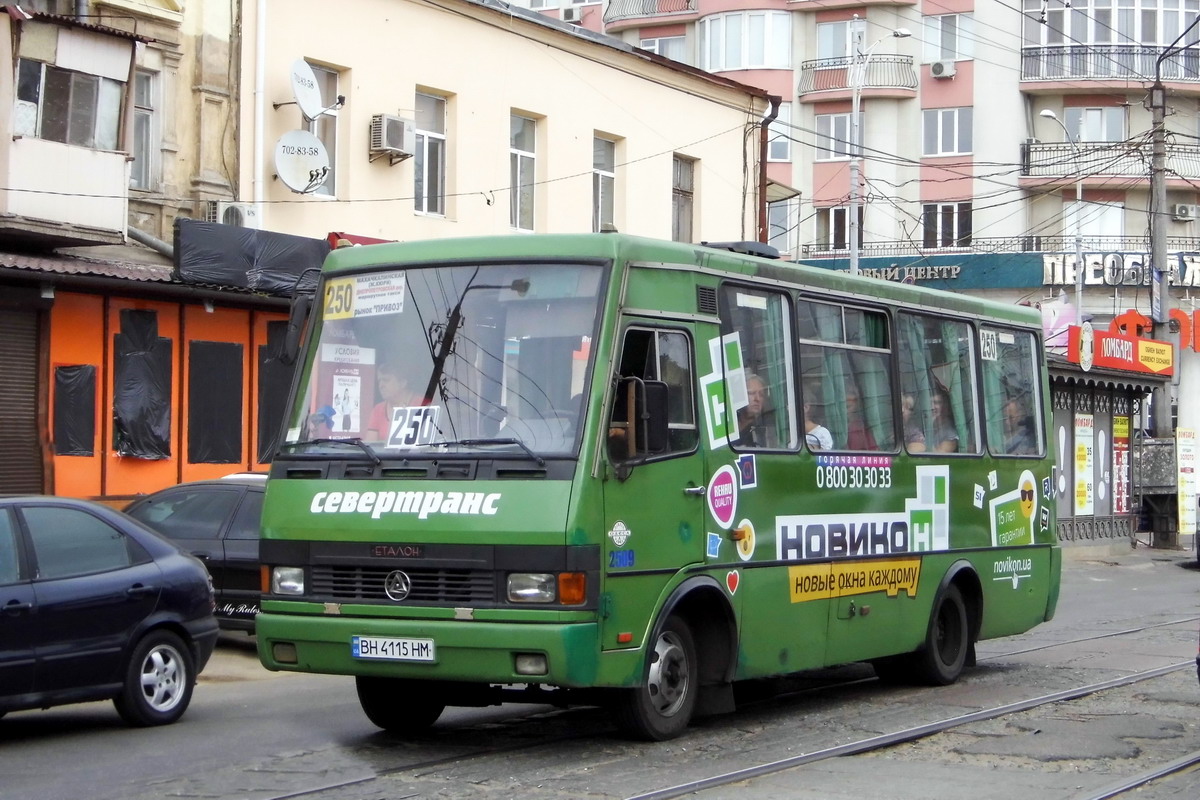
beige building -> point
(459, 118)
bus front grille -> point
(365, 584)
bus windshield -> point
(479, 358)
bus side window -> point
(937, 382)
(657, 364)
(1011, 394)
(761, 321)
(846, 352)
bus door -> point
(654, 495)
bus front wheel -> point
(940, 662)
(662, 706)
(399, 706)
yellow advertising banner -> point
(842, 579)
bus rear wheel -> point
(662, 706)
(399, 706)
(940, 662)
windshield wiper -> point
(359, 443)
(541, 462)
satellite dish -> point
(306, 90)
(301, 161)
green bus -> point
(611, 470)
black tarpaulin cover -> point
(210, 253)
(214, 402)
(75, 410)
(141, 388)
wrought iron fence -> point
(628, 9)
(1130, 158)
(1009, 244)
(1117, 61)
(886, 71)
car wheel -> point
(400, 706)
(158, 681)
(662, 706)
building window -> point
(522, 161)
(143, 172)
(604, 182)
(946, 224)
(833, 137)
(839, 39)
(324, 127)
(746, 40)
(429, 167)
(683, 196)
(782, 220)
(1084, 22)
(833, 227)
(948, 37)
(780, 146)
(672, 47)
(65, 106)
(947, 131)
(1096, 124)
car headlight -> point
(532, 587)
(287, 580)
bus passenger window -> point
(757, 322)
(1011, 393)
(936, 357)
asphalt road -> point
(254, 734)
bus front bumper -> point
(469, 651)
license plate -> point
(376, 647)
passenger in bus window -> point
(945, 432)
(816, 435)
(754, 420)
(914, 437)
(1018, 428)
(858, 435)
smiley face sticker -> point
(743, 534)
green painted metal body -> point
(643, 538)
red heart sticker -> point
(731, 580)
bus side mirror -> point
(653, 414)
(297, 318)
(639, 423)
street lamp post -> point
(1048, 114)
(858, 74)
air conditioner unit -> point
(1032, 141)
(1183, 211)
(572, 14)
(237, 215)
(394, 137)
(943, 69)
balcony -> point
(1006, 244)
(1105, 160)
(887, 75)
(1110, 62)
(61, 195)
(619, 10)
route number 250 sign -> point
(413, 426)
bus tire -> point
(940, 662)
(661, 707)
(399, 706)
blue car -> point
(96, 606)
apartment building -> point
(1003, 149)
(130, 368)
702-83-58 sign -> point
(413, 426)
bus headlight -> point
(532, 587)
(287, 580)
